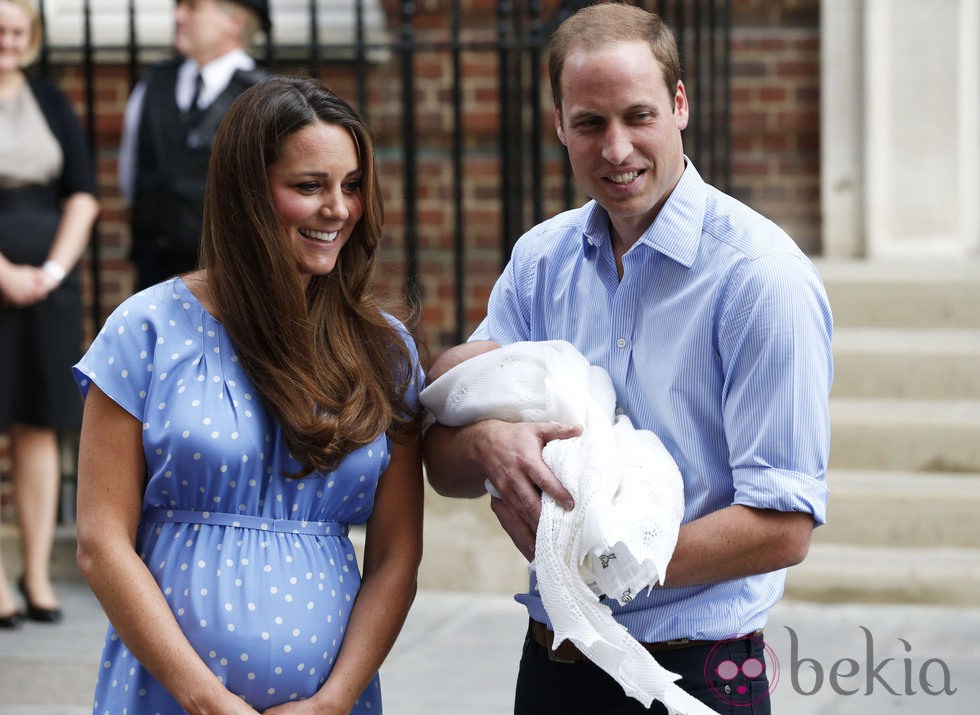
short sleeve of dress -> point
(416, 380)
(120, 359)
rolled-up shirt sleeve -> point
(775, 345)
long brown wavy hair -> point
(329, 363)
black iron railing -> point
(525, 146)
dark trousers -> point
(547, 687)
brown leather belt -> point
(567, 652)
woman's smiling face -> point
(15, 36)
(316, 192)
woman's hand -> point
(222, 702)
(305, 707)
(23, 285)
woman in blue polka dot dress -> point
(238, 420)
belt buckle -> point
(676, 642)
(553, 653)
(555, 658)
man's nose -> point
(617, 145)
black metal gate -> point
(524, 143)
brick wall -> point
(776, 113)
(775, 124)
(775, 139)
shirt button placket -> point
(621, 333)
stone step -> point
(924, 294)
(919, 363)
(63, 564)
(902, 509)
(465, 550)
(905, 435)
(839, 573)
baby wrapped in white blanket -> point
(628, 492)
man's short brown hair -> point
(604, 24)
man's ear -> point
(237, 20)
(681, 108)
(559, 128)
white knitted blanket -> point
(629, 500)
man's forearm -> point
(736, 542)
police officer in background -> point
(169, 127)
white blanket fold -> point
(629, 500)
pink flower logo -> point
(738, 679)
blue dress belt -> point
(246, 521)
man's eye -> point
(645, 117)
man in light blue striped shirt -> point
(716, 331)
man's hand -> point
(523, 536)
(459, 460)
(511, 455)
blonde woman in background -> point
(47, 208)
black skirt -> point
(38, 343)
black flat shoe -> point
(14, 620)
(35, 612)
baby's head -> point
(457, 355)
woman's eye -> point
(308, 186)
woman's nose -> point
(334, 207)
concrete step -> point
(64, 567)
(905, 435)
(923, 293)
(920, 363)
(465, 550)
(902, 509)
(890, 536)
(840, 573)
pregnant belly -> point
(266, 611)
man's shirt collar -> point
(216, 75)
(675, 233)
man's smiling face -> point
(622, 127)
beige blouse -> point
(29, 152)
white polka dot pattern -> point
(265, 608)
